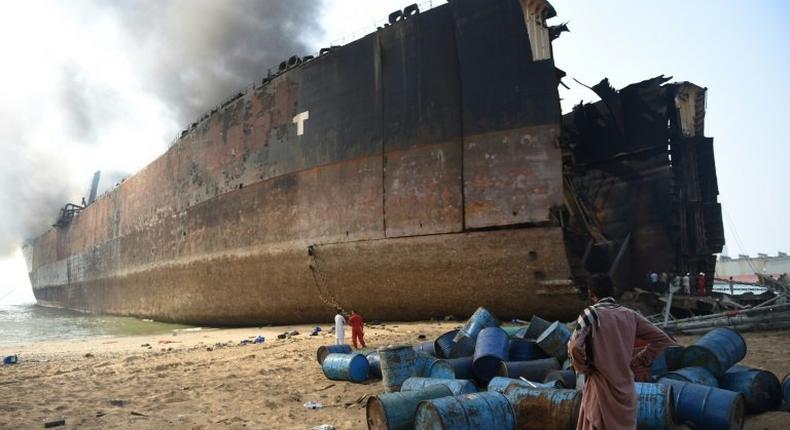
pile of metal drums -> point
(488, 376)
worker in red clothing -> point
(357, 329)
(701, 285)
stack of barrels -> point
(484, 375)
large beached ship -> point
(424, 169)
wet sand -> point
(187, 381)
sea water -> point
(29, 322)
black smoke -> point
(189, 55)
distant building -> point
(744, 267)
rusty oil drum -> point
(457, 386)
(479, 320)
(395, 411)
(500, 384)
(491, 349)
(537, 326)
(431, 367)
(655, 407)
(323, 351)
(695, 375)
(760, 388)
(487, 410)
(554, 341)
(544, 408)
(461, 366)
(533, 370)
(717, 351)
(346, 367)
(525, 350)
(706, 408)
(446, 347)
(398, 363)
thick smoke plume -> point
(201, 52)
(164, 64)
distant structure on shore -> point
(744, 267)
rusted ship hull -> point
(419, 171)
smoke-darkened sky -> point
(92, 85)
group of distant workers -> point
(688, 284)
(603, 351)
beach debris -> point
(326, 388)
(312, 404)
(259, 339)
(315, 331)
(323, 427)
(145, 345)
(209, 349)
(88, 355)
(421, 337)
(11, 359)
(293, 333)
(282, 335)
(165, 341)
(138, 414)
(118, 402)
(55, 423)
(100, 414)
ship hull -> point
(420, 171)
(512, 272)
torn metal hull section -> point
(642, 182)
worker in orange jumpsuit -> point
(357, 329)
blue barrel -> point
(554, 341)
(786, 388)
(667, 361)
(695, 375)
(739, 368)
(500, 384)
(491, 350)
(323, 351)
(513, 330)
(395, 411)
(717, 351)
(566, 377)
(432, 367)
(446, 347)
(536, 327)
(487, 410)
(457, 386)
(397, 365)
(521, 333)
(761, 389)
(655, 407)
(346, 367)
(544, 408)
(525, 350)
(479, 320)
(425, 348)
(534, 370)
(706, 408)
(461, 366)
(374, 365)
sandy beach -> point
(204, 378)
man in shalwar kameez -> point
(601, 348)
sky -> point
(95, 85)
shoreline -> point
(201, 379)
